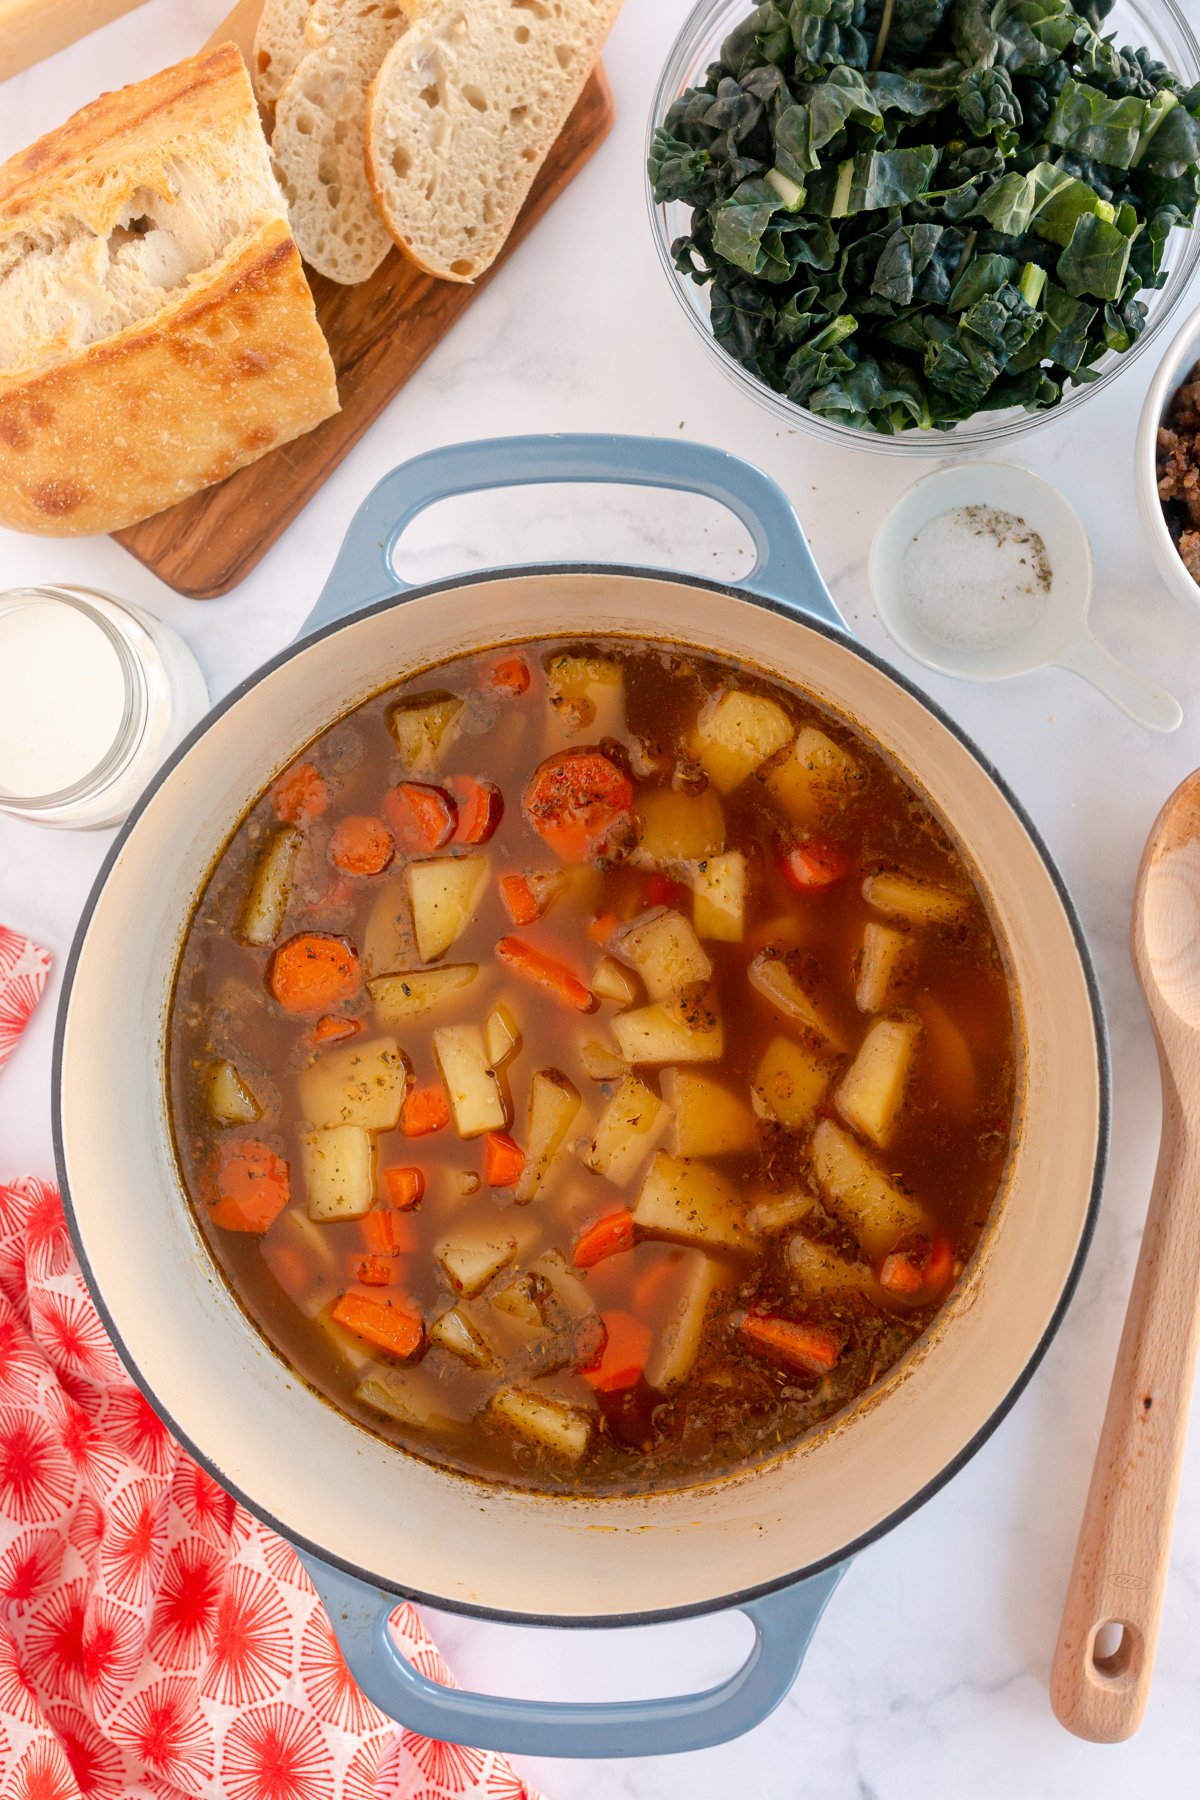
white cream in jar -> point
(94, 695)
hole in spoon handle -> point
(1139, 698)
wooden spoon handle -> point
(1099, 1691)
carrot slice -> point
(579, 802)
(546, 972)
(480, 808)
(387, 1232)
(519, 899)
(384, 1323)
(510, 676)
(814, 865)
(300, 795)
(624, 1355)
(375, 1271)
(362, 845)
(602, 927)
(810, 1348)
(253, 1186)
(503, 1160)
(425, 1109)
(405, 1186)
(919, 1269)
(313, 971)
(331, 1029)
(607, 1237)
(422, 817)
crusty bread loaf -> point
(279, 43)
(463, 114)
(320, 127)
(156, 329)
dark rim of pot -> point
(739, 1597)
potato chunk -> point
(876, 1210)
(790, 1083)
(586, 693)
(771, 977)
(611, 981)
(444, 892)
(813, 778)
(872, 1090)
(820, 1270)
(230, 1101)
(474, 1093)
(691, 1203)
(501, 1036)
(266, 903)
(389, 942)
(397, 998)
(736, 733)
(416, 1397)
(358, 1084)
(424, 729)
(917, 902)
(706, 1119)
(666, 953)
(338, 1165)
(553, 1103)
(565, 1431)
(471, 1259)
(886, 963)
(458, 1334)
(629, 1128)
(719, 903)
(670, 1031)
(678, 1343)
(678, 827)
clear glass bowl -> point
(1159, 25)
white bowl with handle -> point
(1182, 356)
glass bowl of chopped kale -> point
(896, 222)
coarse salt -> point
(976, 579)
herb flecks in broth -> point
(591, 1066)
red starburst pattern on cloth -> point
(501, 1782)
(86, 1527)
(132, 1548)
(281, 1559)
(113, 1642)
(276, 1753)
(424, 1656)
(450, 1766)
(132, 1423)
(54, 1641)
(207, 1508)
(361, 1780)
(20, 1365)
(29, 1566)
(164, 1728)
(98, 1767)
(23, 971)
(18, 1696)
(87, 1448)
(71, 1334)
(47, 1241)
(43, 1773)
(253, 1646)
(35, 1477)
(332, 1691)
(185, 1606)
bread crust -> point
(237, 366)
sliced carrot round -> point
(480, 808)
(313, 972)
(252, 1186)
(362, 845)
(623, 1358)
(814, 865)
(579, 802)
(422, 817)
(301, 794)
(509, 676)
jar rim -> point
(134, 714)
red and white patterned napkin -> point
(156, 1641)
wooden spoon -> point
(1099, 1688)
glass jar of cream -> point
(94, 695)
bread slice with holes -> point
(156, 329)
(463, 114)
(279, 43)
(320, 125)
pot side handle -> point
(784, 571)
(784, 1623)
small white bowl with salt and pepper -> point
(984, 571)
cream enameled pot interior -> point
(362, 1502)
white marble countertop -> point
(928, 1676)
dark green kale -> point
(907, 211)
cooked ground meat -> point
(1179, 471)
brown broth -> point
(737, 1404)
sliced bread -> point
(156, 329)
(279, 43)
(320, 127)
(463, 114)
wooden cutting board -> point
(379, 334)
